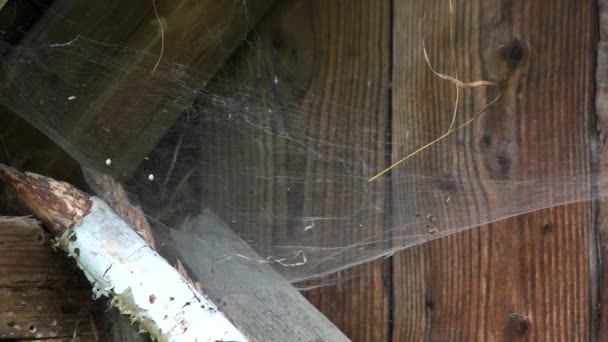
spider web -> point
(256, 142)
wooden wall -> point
(531, 277)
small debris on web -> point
(272, 259)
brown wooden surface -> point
(357, 300)
(527, 277)
(601, 107)
(515, 280)
(41, 295)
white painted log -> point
(121, 266)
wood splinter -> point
(119, 263)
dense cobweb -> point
(263, 147)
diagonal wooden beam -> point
(105, 79)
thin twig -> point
(172, 166)
(162, 36)
(443, 136)
(453, 48)
(457, 82)
(283, 261)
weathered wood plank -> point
(41, 294)
(525, 277)
(251, 294)
(346, 297)
(289, 146)
(105, 58)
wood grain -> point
(350, 299)
(283, 154)
(601, 111)
(528, 277)
(42, 295)
(59, 205)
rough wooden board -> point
(340, 297)
(325, 51)
(262, 304)
(601, 111)
(42, 295)
(527, 277)
(115, 36)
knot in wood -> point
(519, 324)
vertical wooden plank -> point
(44, 297)
(601, 111)
(356, 300)
(283, 164)
(41, 296)
(524, 277)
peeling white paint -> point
(121, 266)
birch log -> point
(119, 263)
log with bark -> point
(119, 263)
